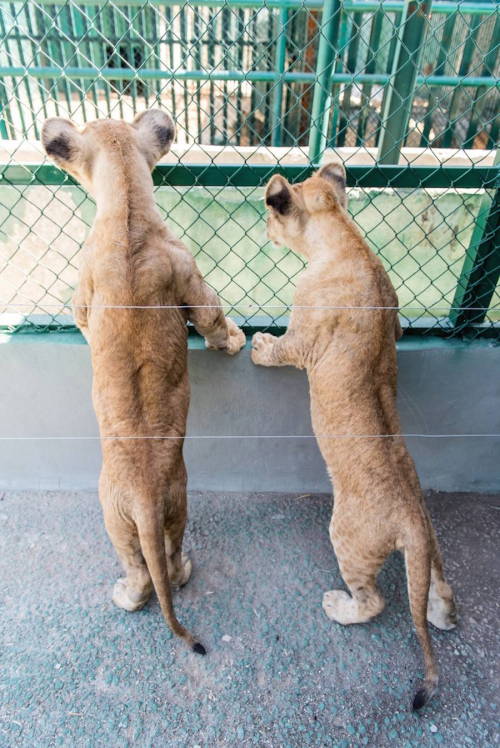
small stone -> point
(433, 728)
(226, 638)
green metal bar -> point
(211, 63)
(333, 102)
(490, 61)
(74, 51)
(5, 41)
(185, 60)
(44, 54)
(265, 101)
(226, 17)
(444, 49)
(3, 125)
(467, 55)
(61, 45)
(393, 45)
(117, 34)
(5, 109)
(34, 55)
(99, 55)
(20, 50)
(248, 175)
(170, 36)
(253, 93)
(363, 6)
(328, 31)
(236, 75)
(371, 65)
(197, 57)
(399, 98)
(277, 124)
(352, 57)
(240, 32)
(481, 268)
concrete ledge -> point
(17, 152)
(444, 387)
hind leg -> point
(365, 600)
(441, 608)
(179, 564)
(132, 591)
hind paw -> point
(127, 599)
(340, 607)
(180, 576)
(441, 616)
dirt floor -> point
(76, 671)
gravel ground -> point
(76, 671)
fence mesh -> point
(404, 93)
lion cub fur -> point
(350, 358)
(139, 355)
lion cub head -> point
(89, 154)
(294, 208)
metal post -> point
(399, 98)
(277, 124)
(481, 268)
(327, 49)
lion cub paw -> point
(128, 600)
(442, 613)
(262, 343)
(340, 607)
(180, 575)
(237, 338)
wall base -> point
(444, 387)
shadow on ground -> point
(77, 671)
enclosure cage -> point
(405, 94)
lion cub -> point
(139, 352)
(350, 358)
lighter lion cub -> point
(350, 358)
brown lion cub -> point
(139, 352)
(350, 358)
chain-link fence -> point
(404, 93)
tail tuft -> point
(421, 698)
(199, 648)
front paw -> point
(262, 344)
(237, 338)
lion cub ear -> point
(61, 141)
(155, 134)
(334, 173)
(279, 195)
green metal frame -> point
(362, 6)
(399, 96)
(254, 76)
(256, 175)
(481, 268)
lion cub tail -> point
(152, 540)
(418, 572)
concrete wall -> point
(445, 387)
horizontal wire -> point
(249, 305)
(246, 436)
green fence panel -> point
(405, 93)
